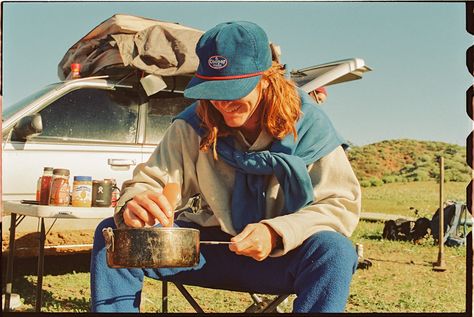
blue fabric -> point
(319, 272)
(287, 159)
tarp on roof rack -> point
(130, 42)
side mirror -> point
(26, 127)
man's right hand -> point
(147, 209)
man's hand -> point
(257, 240)
(147, 207)
(318, 96)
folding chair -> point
(259, 305)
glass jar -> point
(59, 194)
(82, 191)
(38, 189)
(45, 186)
(75, 70)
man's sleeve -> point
(179, 148)
(336, 206)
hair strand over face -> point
(282, 108)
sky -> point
(417, 51)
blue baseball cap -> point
(232, 58)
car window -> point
(162, 108)
(14, 108)
(92, 115)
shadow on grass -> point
(401, 262)
(372, 236)
(27, 291)
(53, 265)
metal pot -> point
(152, 247)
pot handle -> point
(108, 234)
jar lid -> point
(48, 169)
(102, 181)
(61, 171)
(82, 178)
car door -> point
(313, 77)
(90, 131)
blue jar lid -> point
(83, 178)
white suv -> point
(104, 126)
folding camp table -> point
(16, 208)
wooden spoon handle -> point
(172, 192)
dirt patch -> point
(56, 243)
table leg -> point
(39, 283)
(11, 256)
(164, 296)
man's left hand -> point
(257, 240)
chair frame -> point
(261, 306)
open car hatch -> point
(313, 77)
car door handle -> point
(121, 162)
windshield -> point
(9, 111)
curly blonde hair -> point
(282, 108)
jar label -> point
(59, 192)
(82, 195)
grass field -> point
(401, 278)
(397, 198)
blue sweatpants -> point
(319, 272)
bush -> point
(420, 176)
(390, 179)
(425, 158)
(453, 165)
(365, 183)
(408, 168)
(374, 181)
(456, 176)
(451, 150)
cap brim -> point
(232, 89)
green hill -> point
(408, 160)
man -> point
(273, 176)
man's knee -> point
(332, 248)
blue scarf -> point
(287, 159)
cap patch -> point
(217, 62)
